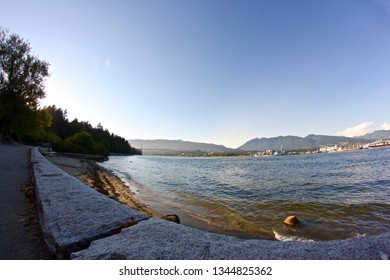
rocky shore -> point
(79, 222)
(101, 180)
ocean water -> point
(335, 196)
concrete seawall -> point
(81, 223)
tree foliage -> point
(22, 77)
(81, 136)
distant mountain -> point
(295, 142)
(175, 147)
(274, 143)
(333, 140)
(376, 135)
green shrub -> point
(82, 142)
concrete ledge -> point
(72, 214)
(156, 239)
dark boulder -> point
(172, 218)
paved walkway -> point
(19, 233)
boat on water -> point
(379, 144)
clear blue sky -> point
(221, 72)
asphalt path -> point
(20, 237)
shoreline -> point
(110, 184)
(80, 223)
(118, 186)
(102, 180)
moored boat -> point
(379, 144)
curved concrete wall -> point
(71, 213)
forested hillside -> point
(77, 136)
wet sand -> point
(102, 180)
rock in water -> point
(172, 218)
(291, 220)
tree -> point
(22, 77)
(78, 136)
(82, 142)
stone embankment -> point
(81, 223)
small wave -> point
(359, 235)
(286, 238)
(126, 180)
(195, 216)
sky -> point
(211, 71)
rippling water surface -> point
(336, 196)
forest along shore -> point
(102, 180)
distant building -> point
(329, 149)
